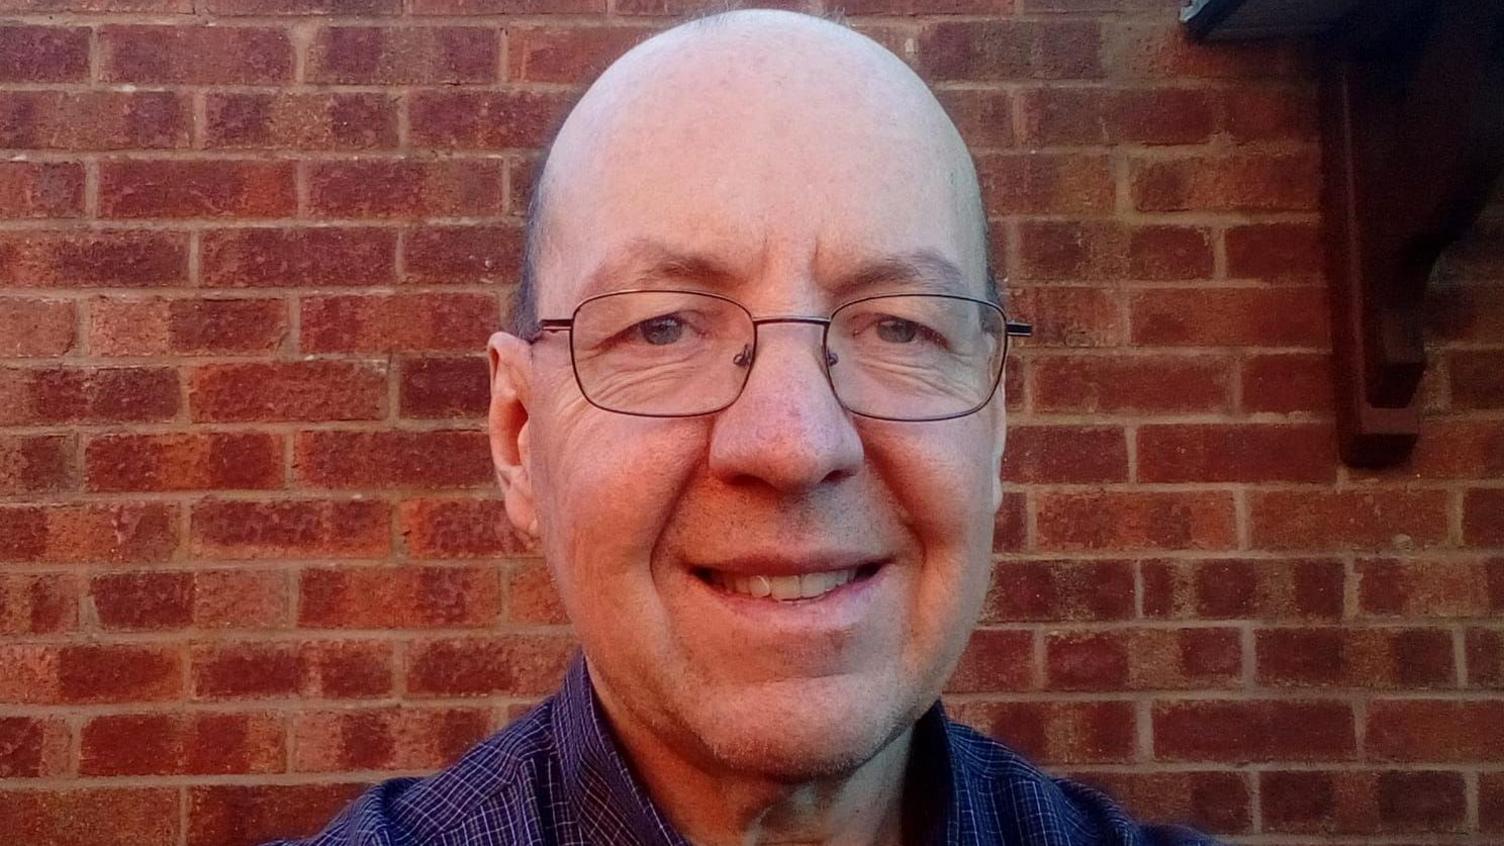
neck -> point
(715, 806)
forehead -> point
(747, 181)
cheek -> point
(940, 474)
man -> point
(750, 414)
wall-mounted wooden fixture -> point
(1413, 141)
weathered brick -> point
(443, 387)
(241, 599)
(457, 528)
(1210, 800)
(1483, 517)
(1277, 252)
(304, 7)
(195, 55)
(36, 327)
(143, 601)
(1485, 658)
(1253, 731)
(1244, 182)
(1136, 520)
(314, 669)
(984, 117)
(1010, 49)
(1144, 659)
(41, 189)
(79, 258)
(1065, 454)
(118, 673)
(43, 53)
(1270, 589)
(1078, 316)
(1252, 452)
(185, 326)
(36, 463)
(182, 744)
(1435, 730)
(343, 121)
(567, 54)
(93, 816)
(303, 528)
(38, 604)
(77, 533)
(1363, 802)
(209, 188)
(321, 256)
(428, 459)
(1431, 587)
(404, 55)
(532, 597)
(403, 188)
(486, 120)
(1060, 115)
(464, 254)
(88, 395)
(1331, 519)
(1045, 183)
(1242, 317)
(1059, 591)
(1369, 658)
(1050, 250)
(402, 597)
(995, 661)
(426, 322)
(94, 120)
(184, 461)
(33, 747)
(291, 390)
(526, 665)
(245, 814)
(1285, 383)
(391, 738)
(1057, 732)
(1159, 49)
(1147, 383)
(1252, 114)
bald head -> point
(730, 121)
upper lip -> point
(790, 565)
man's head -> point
(766, 157)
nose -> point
(786, 430)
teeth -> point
(785, 588)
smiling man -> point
(749, 411)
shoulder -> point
(1035, 807)
(493, 793)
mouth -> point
(786, 589)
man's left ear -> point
(510, 366)
(999, 446)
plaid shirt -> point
(556, 778)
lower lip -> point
(841, 608)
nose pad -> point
(743, 358)
(831, 359)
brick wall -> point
(251, 558)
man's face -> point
(787, 188)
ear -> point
(510, 366)
(999, 445)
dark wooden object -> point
(1413, 141)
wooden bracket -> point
(1413, 126)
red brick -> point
(33, 747)
(1160, 49)
(567, 54)
(94, 120)
(1483, 517)
(1230, 317)
(1285, 383)
(38, 604)
(314, 669)
(385, 738)
(1057, 732)
(1045, 183)
(1010, 49)
(1074, 317)
(397, 322)
(1439, 587)
(1477, 378)
(428, 459)
(143, 601)
(926, 7)
(1485, 658)
(288, 390)
(1110, 252)
(509, 7)
(158, 326)
(523, 172)
(525, 665)
(78, 258)
(304, 7)
(486, 120)
(88, 395)
(1435, 730)
(984, 117)
(1467, 313)
(1256, 731)
(31, 674)
(1126, 384)
(1491, 801)
(1136, 520)
(1143, 659)
(457, 528)
(43, 53)
(1251, 452)
(1211, 801)
(1065, 454)
(1220, 589)
(241, 599)
(31, 327)
(403, 55)
(322, 256)
(532, 598)
(401, 597)
(1086, 116)
(304, 528)
(118, 673)
(1359, 802)
(387, 188)
(92, 816)
(431, 388)
(1365, 658)
(1271, 113)
(1277, 252)
(196, 55)
(36, 463)
(183, 461)
(41, 189)
(1010, 526)
(108, 6)
(182, 744)
(1246, 182)
(211, 188)
(248, 814)
(1059, 591)
(995, 661)
(301, 121)
(1328, 519)
(76, 533)
(464, 254)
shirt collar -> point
(613, 806)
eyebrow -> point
(645, 262)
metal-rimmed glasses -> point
(679, 353)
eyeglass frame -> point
(566, 324)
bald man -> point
(749, 412)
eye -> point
(661, 331)
(897, 331)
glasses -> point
(905, 357)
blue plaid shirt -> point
(556, 777)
